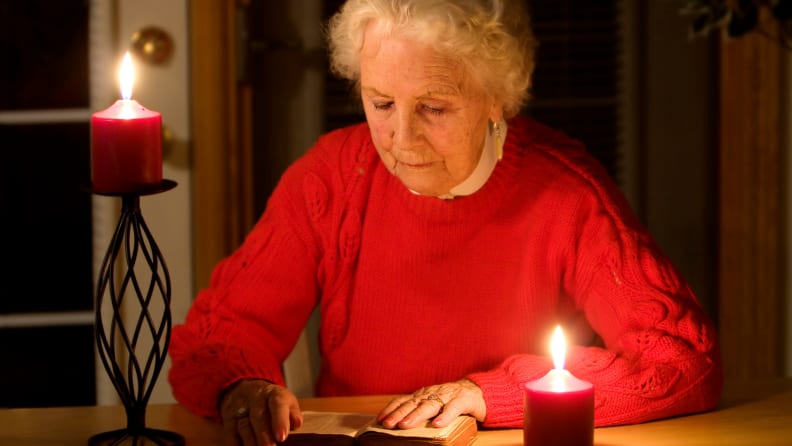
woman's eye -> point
(382, 105)
(433, 110)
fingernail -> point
(281, 436)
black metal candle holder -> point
(132, 365)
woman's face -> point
(428, 120)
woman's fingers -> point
(284, 412)
(440, 403)
(413, 410)
(258, 413)
(246, 432)
(454, 408)
(390, 408)
(230, 436)
(409, 413)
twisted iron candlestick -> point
(131, 363)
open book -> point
(348, 429)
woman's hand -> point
(258, 413)
(443, 402)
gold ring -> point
(242, 412)
(435, 397)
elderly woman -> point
(442, 240)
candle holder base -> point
(147, 436)
(133, 321)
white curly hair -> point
(492, 38)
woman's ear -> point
(496, 112)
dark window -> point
(45, 59)
(576, 81)
(45, 212)
(52, 366)
(46, 218)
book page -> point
(348, 429)
(333, 423)
(426, 431)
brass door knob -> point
(152, 45)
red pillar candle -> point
(559, 408)
(126, 143)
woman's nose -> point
(404, 131)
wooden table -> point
(760, 414)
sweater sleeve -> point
(659, 355)
(247, 321)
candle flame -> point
(558, 348)
(126, 75)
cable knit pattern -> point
(416, 291)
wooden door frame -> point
(752, 205)
(222, 204)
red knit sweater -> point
(415, 290)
